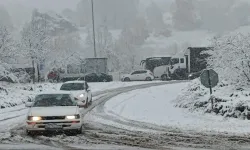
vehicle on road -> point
(54, 112)
(139, 75)
(179, 66)
(96, 77)
(81, 68)
(80, 90)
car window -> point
(143, 72)
(182, 60)
(136, 72)
(50, 100)
(72, 86)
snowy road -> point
(122, 131)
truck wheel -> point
(127, 79)
(164, 77)
(148, 79)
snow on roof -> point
(74, 82)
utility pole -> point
(93, 23)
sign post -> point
(209, 78)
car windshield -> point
(50, 100)
(72, 86)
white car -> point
(139, 75)
(54, 112)
(80, 90)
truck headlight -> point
(82, 95)
(31, 118)
(73, 117)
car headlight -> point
(82, 95)
(31, 118)
(73, 117)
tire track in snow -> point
(94, 135)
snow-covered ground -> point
(155, 105)
(17, 94)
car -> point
(139, 75)
(80, 90)
(54, 112)
(97, 77)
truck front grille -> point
(53, 118)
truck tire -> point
(165, 77)
(127, 79)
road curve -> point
(96, 133)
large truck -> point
(178, 67)
(88, 65)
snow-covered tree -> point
(155, 17)
(8, 52)
(5, 18)
(185, 16)
(65, 49)
(34, 39)
(231, 58)
(140, 31)
(104, 40)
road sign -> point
(209, 78)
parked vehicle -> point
(178, 67)
(86, 66)
(96, 77)
(139, 75)
(54, 112)
(80, 90)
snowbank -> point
(153, 108)
(229, 101)
(17, 94)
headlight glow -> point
(73, 117)
(82, 95)
(70, 117)
(35, 118)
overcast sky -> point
(56, 5)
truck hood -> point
(54, 111)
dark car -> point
(194, 75)
(97, 77)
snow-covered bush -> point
(231, 59)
